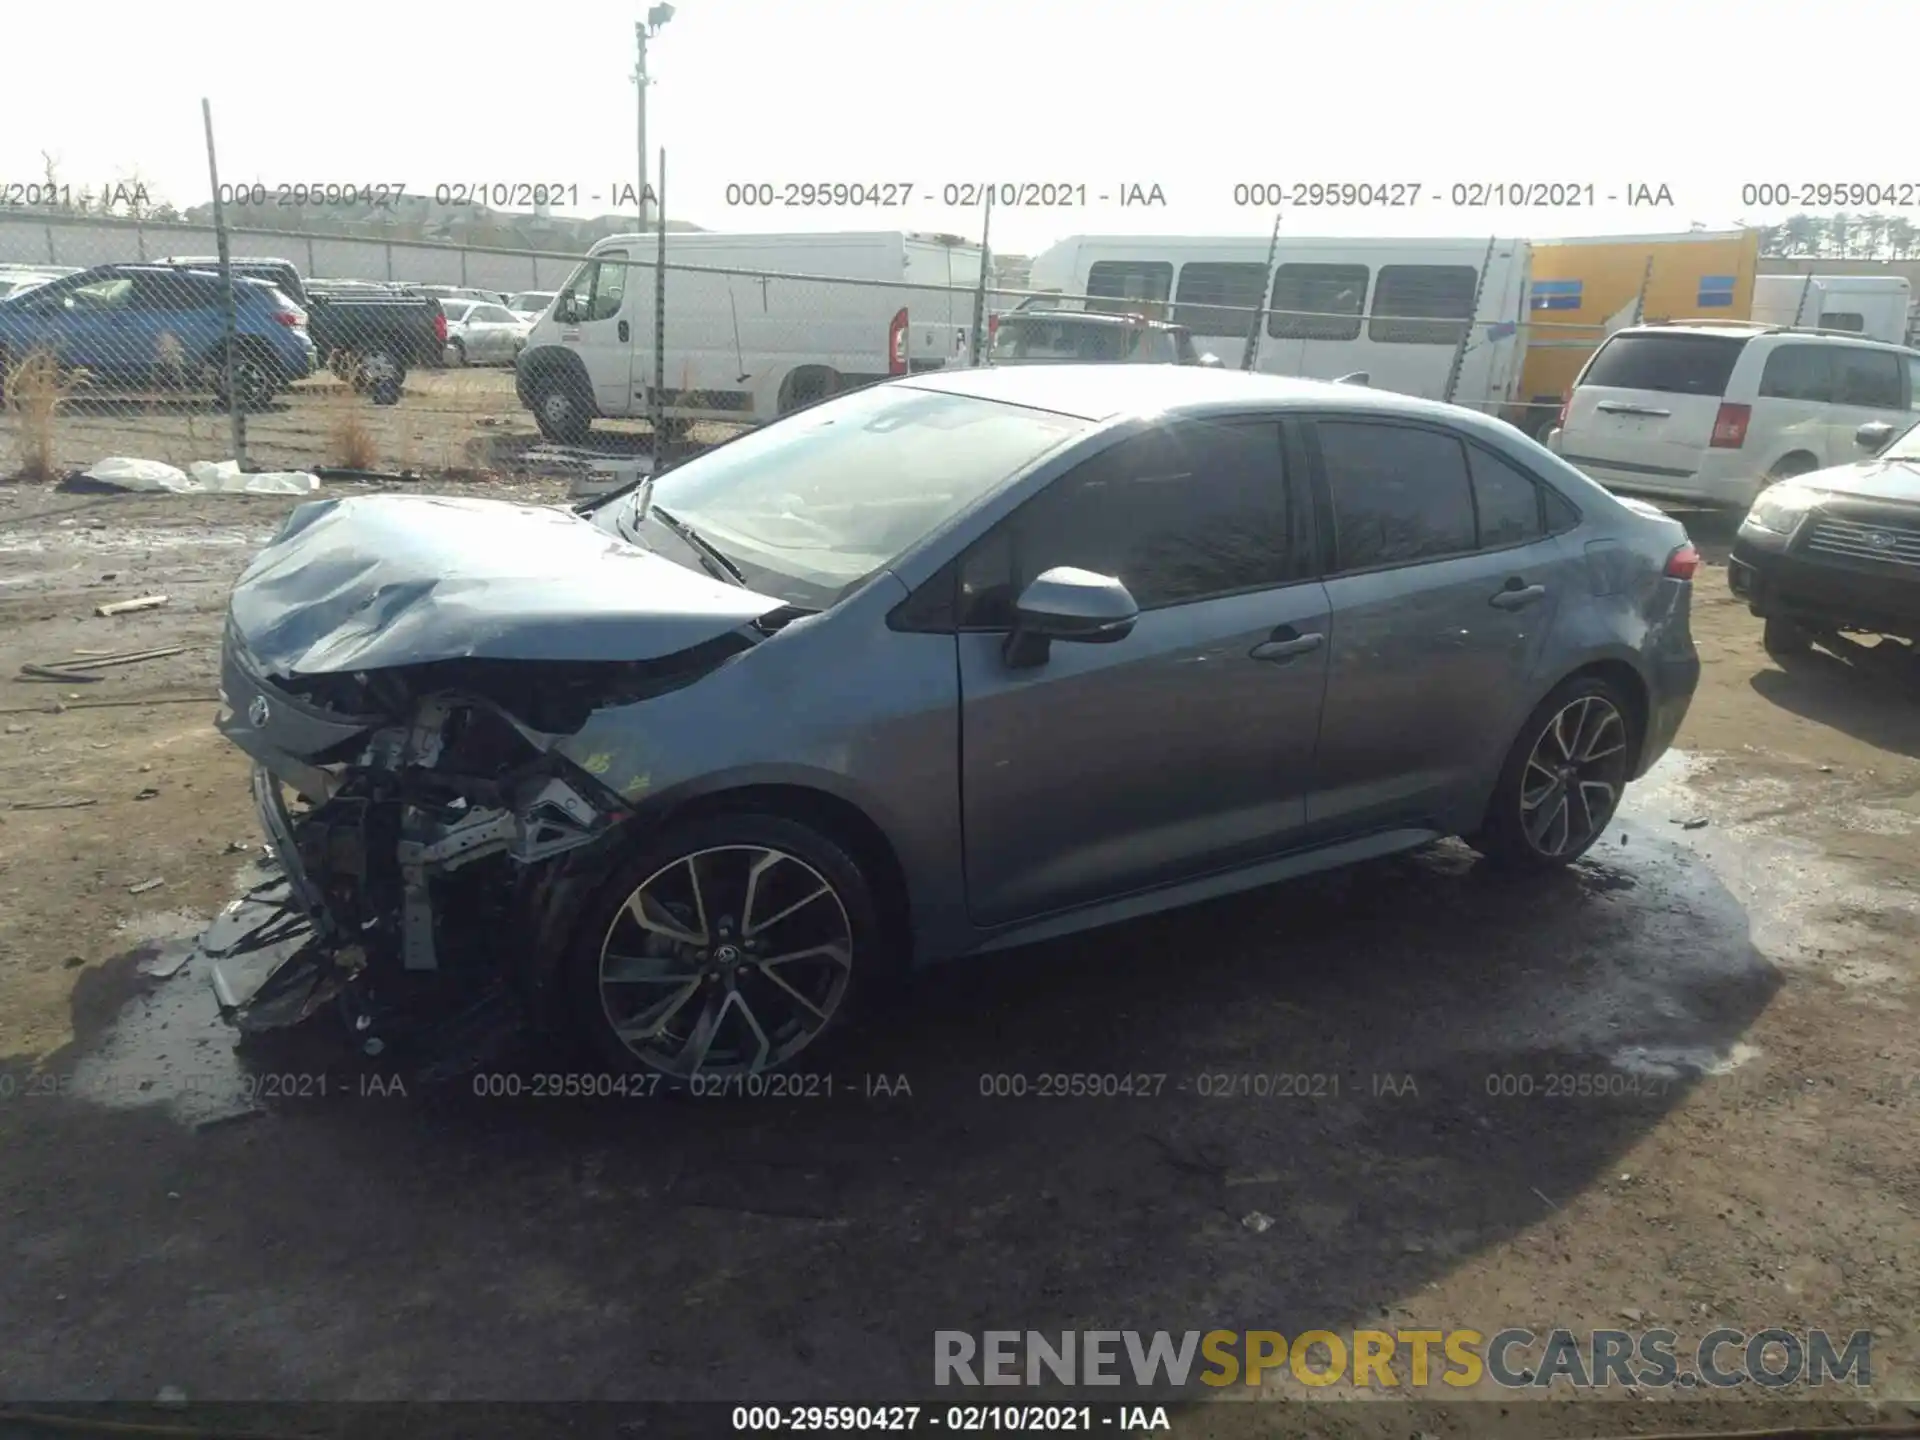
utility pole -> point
(643, 31)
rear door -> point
(1186, 747)
(1444, 584)
(1643, 411)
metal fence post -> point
(980, 294)
(1473, 315)
(657, 402)
(312, 267)
(1252, 352)
(1640, 300)
(53, 256)
(235, 411)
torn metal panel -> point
(377, 581)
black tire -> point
(252, 379)
(459, 349)
(672, 432)
(381, 376)
(1516, 832)
(726, 844)
(810, 388)
(1783, 639)
(561, 411)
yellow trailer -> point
(1583, 290)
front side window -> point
(491, 315)
(1423, 304)
(109, 294)
(1182, 513)
(596, 290)
(1400, 494)
(816, 502)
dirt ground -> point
(1750, 929)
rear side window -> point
(1870, 378)
(1843, 320)
(1236, 289)
(1400, 494)
(1443, 292)
(1799, 372)
(1321, 297)
(1671, 364)
(1507, 501)
(1123, 285)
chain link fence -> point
(124, 337)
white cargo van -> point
(752, 330)
(1395, 310)
(1874, 307)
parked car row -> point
(1813, 434)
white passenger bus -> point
(745, 341)
(1395, 310)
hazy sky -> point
(1194, 98)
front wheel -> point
(725, 946)
(1563, 778)
(560, 413)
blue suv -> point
(160, 327)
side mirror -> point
(1068, 604)
(1213, 362)
(1873, 436)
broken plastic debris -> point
(1257, 1222)
(145, 885)
(203, 477)
(122, 607)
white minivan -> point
(1712, 413)
(754, 325)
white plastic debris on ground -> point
(203, 477)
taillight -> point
(440, 325)
(293, 319)
(1730, 427)
(1566, 403)
(897, 345)
(1683, 562)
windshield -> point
(820, 500)
(1907, 447)
(531, 300)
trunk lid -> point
(376, 581)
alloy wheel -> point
(1574, 776)
(726, 961)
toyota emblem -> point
(259, 712)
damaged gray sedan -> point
(936, 667)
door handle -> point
(1517, 595)
(1616, 407)
(1285, 643)
(624, 332)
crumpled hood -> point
(381, 580)
(1897, 480)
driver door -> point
(1186, 747)
(596, 325)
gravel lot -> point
(1751, 927)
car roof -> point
(1107, 392)
(1756, 330)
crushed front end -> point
(402, 671)
(406, 847)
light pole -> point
(643, 31)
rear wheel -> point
(1784, 639)
(1563, 778)
(381, 377)
(724, 946)
(250, 383)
